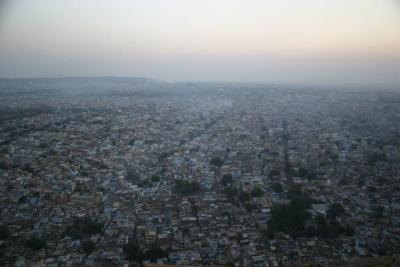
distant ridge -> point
(94, 82)
(87, 78)
(73, 84)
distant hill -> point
(70, 84)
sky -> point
(290, 41)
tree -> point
(311, 176)
(250, 207)
(244, 196)
(4, 232)
(257, 192)
(289, 219)
(132, 175)
(302, 172)
(231, 192)
(36, 243)
(22, 199)
(186, 187)
(144, 184)
(133, 252)
(155, 253)
(343, 181)
(299, 198)
(334, 157)
(277, 188)
(349, 230)
(274, 173)
(375, 157)
(371, 189)
(378, 212)
(195, 210)
(165, 155)
(226, 179)
(335, 209)
(186, 231)
(83, 227)
(155, 178)
(91, 227)
(330, 228)
(87, 246)
(382, 180)
(216, 161)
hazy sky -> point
(340, 41)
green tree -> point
(250, 207)
(4, 232)
(244, 196)
(299, 199)
(349, 230)
(133, 252)
(165, 155)
(186, 187)
(226, 179)
(90, 227)
(155, 253)
(376, 157)
(83, 227)
(335, 209)
(277, 188)
(378, 212)
(195, 210)
(36, 243)
(288, 219)
(231, 192)
(302, 172)
(343, 181)
(22, 199)
(382, 180)
(87, 246)
(295, 192)
(155, 178)
(274, 173)
(217, 161)
(371, 189)
(144, 183)
(311, 176)
(257, 192)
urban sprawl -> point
(130, 172)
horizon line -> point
(286, 83)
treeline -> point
(291, 218)
(82, 228)
(186, 187)
(134, 253)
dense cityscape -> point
(132, 172)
